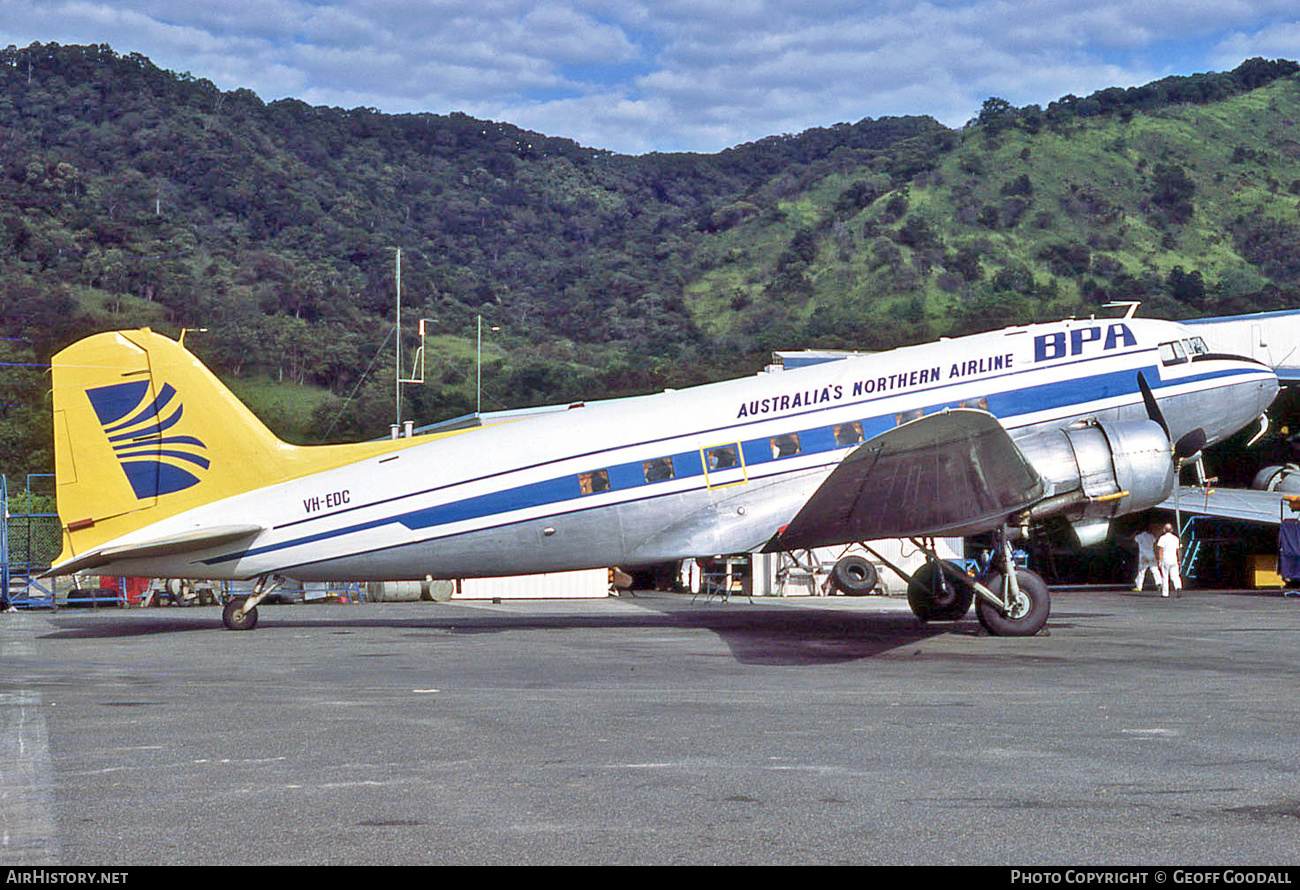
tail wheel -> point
(1026, 616)
(854, 576)
(935, 595)
(234, 617)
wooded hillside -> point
(130, 195)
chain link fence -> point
(29, 544)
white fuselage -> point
(708, 470)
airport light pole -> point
(478, 364)
(397, 360)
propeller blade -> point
(1149, 399)
(1190, 443)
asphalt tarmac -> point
(654, 730)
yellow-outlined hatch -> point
(724, 464)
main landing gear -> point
(1007, 603)
(240, 612)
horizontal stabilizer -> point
(950, 473)
(198, 539)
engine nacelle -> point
(1285, 479)
(1100, 470)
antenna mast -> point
(397, 364)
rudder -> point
(144, 431)
(142, 427)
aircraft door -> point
(724, 464)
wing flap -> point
(170, 545)
(951, 473)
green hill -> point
(130, 195)
(1188, 206)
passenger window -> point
(848, 434)
(594, 482)
(785, 446)
(658, 470)
(981, 403)
(723, 457)
(1172, 353)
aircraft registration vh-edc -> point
(161, 471)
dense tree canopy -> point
(132, 195)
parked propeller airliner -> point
(162, 472)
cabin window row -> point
(716, 459)
(737, 455)
(755, 451)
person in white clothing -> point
(1167, 553)
(1146, 544)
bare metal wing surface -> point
(946, 474)
(1268, 507)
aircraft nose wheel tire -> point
(234, 618)
(1026, 617)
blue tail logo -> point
(137, 428)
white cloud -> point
(1277, 41)
(565, 35)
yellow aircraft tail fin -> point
(143, 431)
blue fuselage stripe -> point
(627, 476)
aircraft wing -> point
(1232, 503)
(954, 472)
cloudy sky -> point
(671, 75)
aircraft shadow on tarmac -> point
(756, 633)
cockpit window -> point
(1172, 353)
(1196, 346)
